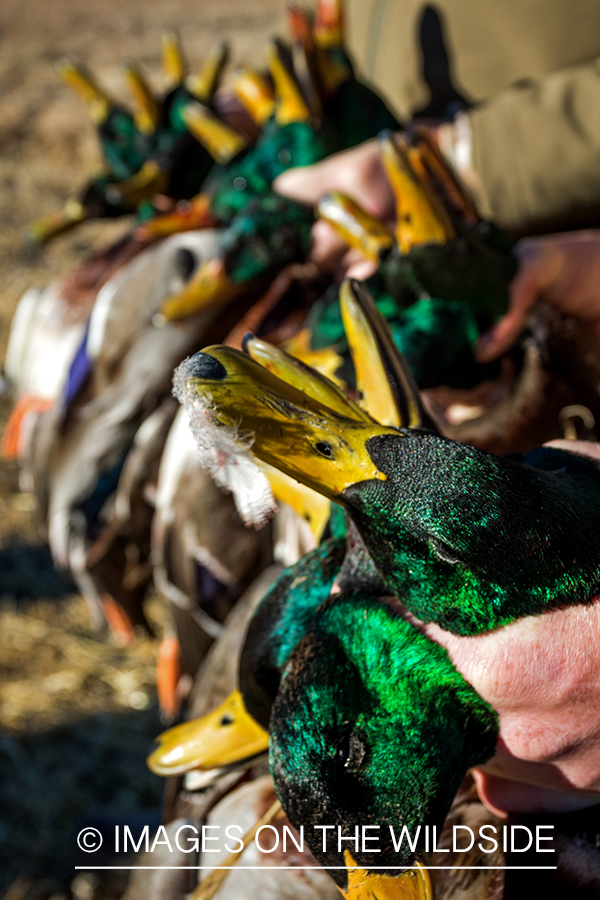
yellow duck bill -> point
(207, 287)
(225, 737)
(365, 884)
(234, 401)
(50, 226)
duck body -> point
(271, 876)
(46, 334)
(118, 378)
(204, 557)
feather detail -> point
(225, 453)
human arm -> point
(542, 675)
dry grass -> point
(78, 716)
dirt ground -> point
(77, 713)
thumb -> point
(305, 184)
(525, 288)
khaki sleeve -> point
(535, 152)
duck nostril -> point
(226, 720)
(203, 365)
(185, 263)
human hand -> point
(561, 269)
(542, 676)
(359, 174)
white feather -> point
(225, 453)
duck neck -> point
(281, 621)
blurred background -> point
(77, 712)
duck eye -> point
(324, 449)
(351, 751)
(444, 552)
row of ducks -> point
(91, 357)
(364, 719)
(115, 466)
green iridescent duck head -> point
(371, 732)
(442, 276)
(150, 150)
(468, 539)
(369, 725)
(442, 248)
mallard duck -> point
(328, 758)
(147, 153)
(464, 571)
(118, 376)
(416, 695)
(442, 278)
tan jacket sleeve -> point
(534, 145)
(536, 152)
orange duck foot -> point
(13, 443)
(168, 672)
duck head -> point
(322, 444)
(373, 727)
(369, 725)
(468, 539)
